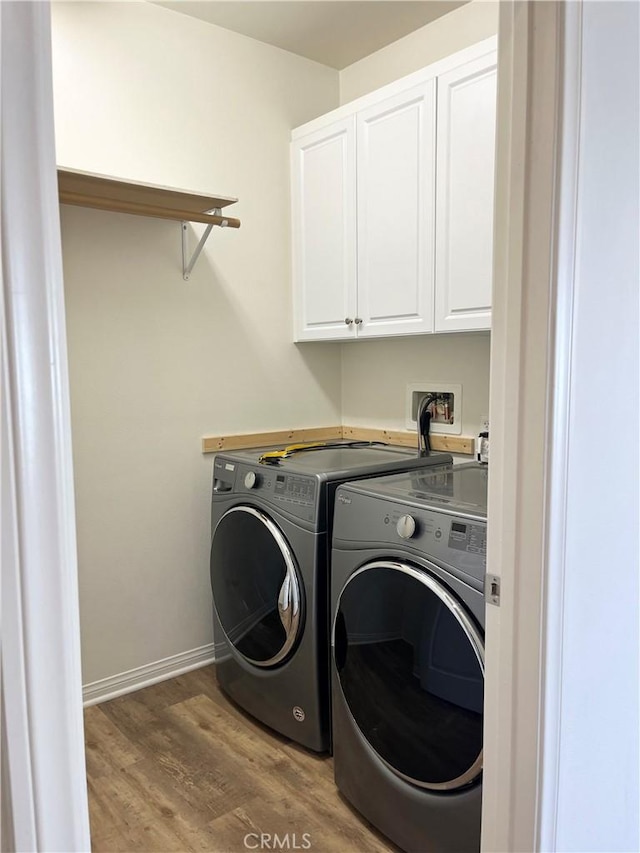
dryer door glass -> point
(410, 661)
(256, 586)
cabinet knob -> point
(358, 321)
(348, 321)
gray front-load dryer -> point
(408, 568)
(270, 547)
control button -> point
(252, 480)
(406, 526)
(438, 534)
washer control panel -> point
(294, 494)
(290, 488)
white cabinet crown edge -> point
(474, 51)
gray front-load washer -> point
(408, 611)
(270, 548)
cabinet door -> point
(324, 232)
(464, 210)
(396, 163)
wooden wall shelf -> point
(86, 189)
(103, 193)
(446, 443)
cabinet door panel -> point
(396, 160)
(324, 259)
(465, 190)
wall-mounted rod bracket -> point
(188, 264)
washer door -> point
(257, 591)
(410, 661)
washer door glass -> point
(256, 586)
(410, 661)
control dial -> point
(252, 480)
(406, 526)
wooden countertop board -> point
(447, 443)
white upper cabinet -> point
(393, 206)
(464, 192)
(395, 213)
(323, 181)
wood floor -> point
(178, 767)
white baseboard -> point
(144, 676)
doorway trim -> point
(533, 186)
(44, 795)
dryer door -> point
(410, 661)
(257, 590)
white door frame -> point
(44, 792)
(529, 73)
(555, 658)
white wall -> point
(155, 362)
(375, 373)
(458, 29)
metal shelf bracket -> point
(188, 265)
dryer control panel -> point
(367, 522)
(467, 536)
